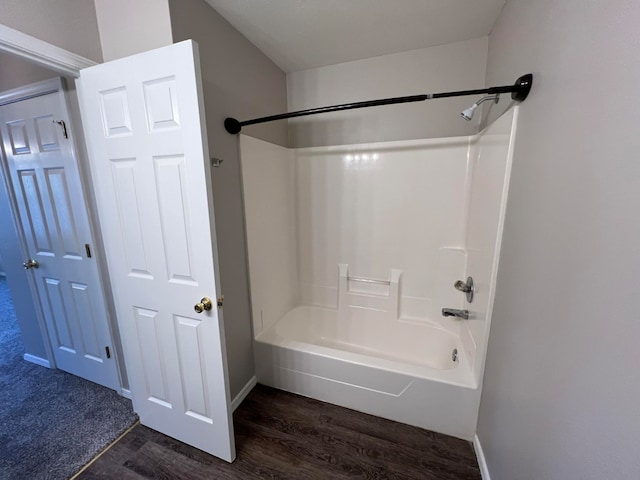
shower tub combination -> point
(373, 343)
(412, 372)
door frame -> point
(42, 53)
(63, 62)
(58, 86)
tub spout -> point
(454, 312)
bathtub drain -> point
(454, 354)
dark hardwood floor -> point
(281, 435)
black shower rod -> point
(519, 91)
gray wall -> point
(145, 26)
(562, 389)
(456, 66)
(242, 82)
(69, 24)
(15, 72)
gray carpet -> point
(51, 423)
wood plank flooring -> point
(281, 435)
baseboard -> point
(482, 462)
(37, 360)
(235, 403)
(126, 393)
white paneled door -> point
(144, 119)
(47, 189)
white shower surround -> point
(419, 214)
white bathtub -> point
(399, 370)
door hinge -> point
(87, 248)
(106, 349)
(63, 126)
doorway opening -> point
(53, 422)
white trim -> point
(493, 282)
(32, 90)
(43, 362)
(42, 53)
(126, 393)
(482, 462)
(235, 403)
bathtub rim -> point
(459, 376)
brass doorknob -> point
(31, 263)
(205, 304)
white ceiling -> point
(302, 34)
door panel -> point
(149, 162)
(52, 212)
(58, 190)
(37, 227)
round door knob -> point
(205, 304)
(31, 263)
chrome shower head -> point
(467, 113)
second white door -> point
(45, 183)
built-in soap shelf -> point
(369, 293)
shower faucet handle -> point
(466, 288)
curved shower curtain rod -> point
(519, 91)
